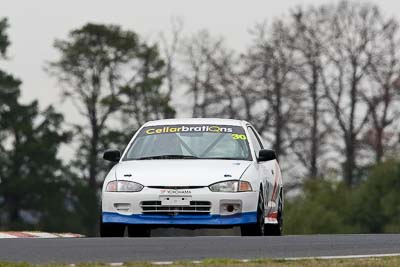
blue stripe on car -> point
(240, 218)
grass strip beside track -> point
(364, 262)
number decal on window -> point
(239, 137)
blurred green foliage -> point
(37, 190)
(328, 207)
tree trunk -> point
(379, 144)
(278, 121)
(314, 129)
(349, 164)
(93, 150)
(93, 159)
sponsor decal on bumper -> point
(236, 219)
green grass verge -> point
(366, 262)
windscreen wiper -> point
(226, 158)
(168, 157)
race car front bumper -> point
(197, 206)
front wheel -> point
(112, 229)
(256, 229)
(138, 231)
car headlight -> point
(231, 186)
(123, 186)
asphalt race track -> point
(73, 250)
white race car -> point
(193, 173)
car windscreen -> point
(190, 142)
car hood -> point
(185, 172)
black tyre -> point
(256, 229)
(138, 231)
(276, 229)
(112, 229)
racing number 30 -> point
(239, 136)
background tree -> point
(4, 41)
(383, 94)
(36, 187)
(322, 201)
(308, 39)
(170, 43)
(108, 71)
(271, 64)
(201, 54)
(370, 208)
(91, 70)
(144, 97)
(354, 29)
(36, 191)
(377, 200)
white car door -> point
(264, 167)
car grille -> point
(195, 208)
(176, 187)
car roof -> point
(215, 121)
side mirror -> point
(266, 155)
(112, 155)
